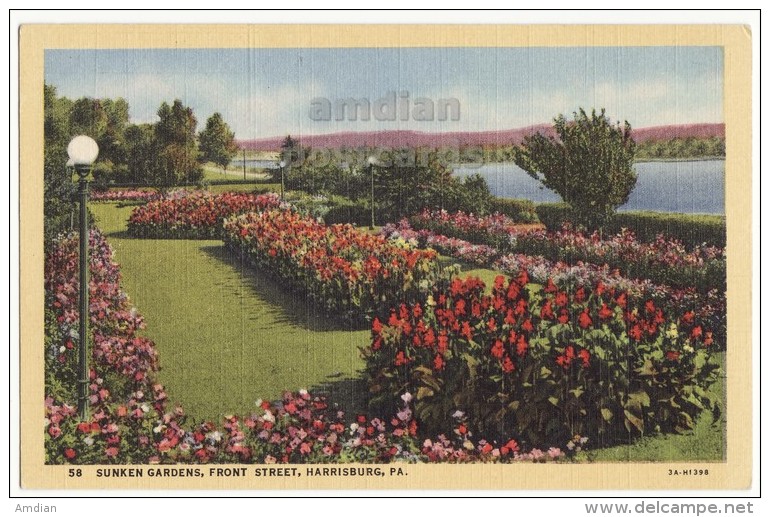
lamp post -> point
(282, 165)
(82, 151)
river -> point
(690, 187)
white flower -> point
(62, 349)
(406, 397)
(458, 414)
(88, 441)
(145, 408)
(268, 416)
(258, 403)
(354, 427)
(303, 392)
(159, 429)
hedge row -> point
(691, 229)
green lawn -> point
(226, 335)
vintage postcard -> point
(505, 257)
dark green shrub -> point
(519, 210)
(553, 215)
(691, 229)
(358, 214)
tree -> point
(58, 187)
(175, 142)
(589, 164)
(217, 142)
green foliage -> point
(469, 194)
(681, 148)
(356, 212)
(217, 141)
(519, 210)
(691, 230)
(175, 140)
(590, 164)
(59, 191)
(404, 183)
(554, 215)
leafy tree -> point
(292, 152)
(175, 143)
(217, 142)
(589, 164)
(58, 188)
(105, 120)
(143, 151)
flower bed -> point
(131, 421)
(345, 271)
(195, 216)
(478, 254)
(124, 195)
(544, 363)
(711, 305)
(663, 261)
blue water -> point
(696, 187)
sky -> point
(271, 92)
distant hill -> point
(406, 138)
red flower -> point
(671, 355)
(580, 295)
(443, 343)
(561, 299)
(584, 320)
(550, 287)
(708, 340)
(70, 453)
(466, 331)
(462, 429)
(636, 332)
(697, 332)
(527, 326)
(400, 359)
(84, 427)
(510, 447)
(563, 317)
(622, 300)
(585, 356)
(492, 324)
(546, 312)
(605, 312)
(562, 361)
(497, 350)
(361, 419)
(376, 326)
(600, 288)
(487, 448)
(688, 317)
(521, 345)
(508, 365)
(438, 363)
